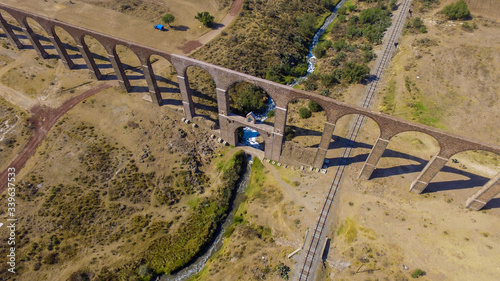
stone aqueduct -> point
(389, 126)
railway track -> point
(310, 259)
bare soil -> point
(42, 119)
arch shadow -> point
(422, 145)
(341, 140)
(165, 78)
(203, 92)
(474, 180)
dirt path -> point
(192, 46)
(43, 118)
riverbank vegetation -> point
(172, 252)
(345, 52)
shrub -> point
(368, 56)
(417, 22)
(392, 4)
(328, 80)
(205, 18)
(311, 86)
(354, 73)
(304, 113)
(314, 106)
(469, 27)
(300, 70)
(168, 18)
(271, 113)
(289, 133)
(417, 273)
(328, 4)
(319, 51)
(341, 56)
(283, 270)
(457, 11)
(325, 92)
(342, 10)
(340, 45)
(307, 25)
(352, 31)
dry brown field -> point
(379, 227)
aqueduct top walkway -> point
(389, 126)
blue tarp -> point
(159, 26)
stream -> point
(195, 266)
(250, 135)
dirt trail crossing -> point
(191, 46)
(43, 118)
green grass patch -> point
(389, 100)
(194, 202)
(423, 115)
(349, 230)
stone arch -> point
(96, 56)
(265, 135)
(202, 88)
(461, 172)
(41, 35)
(367, 138)
(302, 137)
(69, 42)
(407, 152)
(132, 68)
(12, 29)
(166, 81)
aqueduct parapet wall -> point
(390, 126)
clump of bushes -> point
(205, 18)
(304, 113)
(314, 106)
(354, 73)
(417, 273)
(457, 11)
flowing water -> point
(199, 263)
(250, 135)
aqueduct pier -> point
(450, 144)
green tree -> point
(417, 273)
(168, 18)
(304, 113)
(307, 25)
(248, 98)
(205, 18)
(417, 22)
(457, 11)
(314, 106)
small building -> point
(251, 118)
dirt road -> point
(43, 118)
(191, 46)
